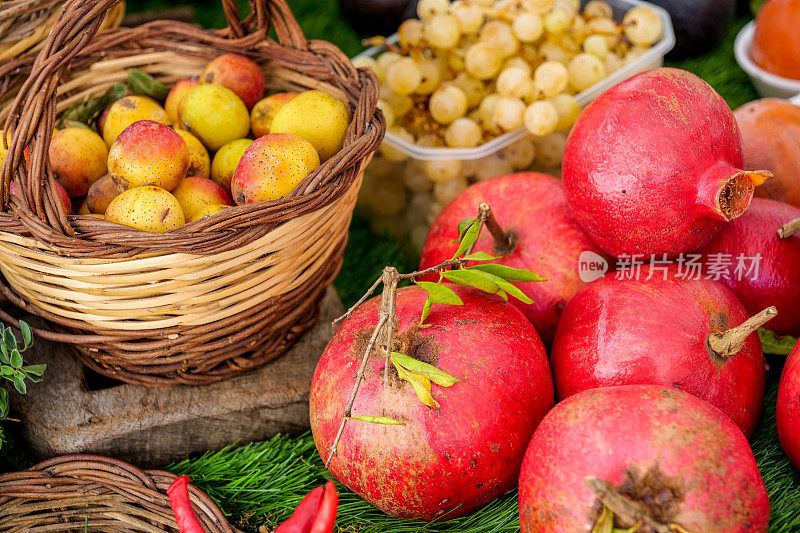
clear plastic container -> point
(399, 202)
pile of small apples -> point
(468, 71)
(658, 373)
(156, 168)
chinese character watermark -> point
(718, 267)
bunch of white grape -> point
(470, 70)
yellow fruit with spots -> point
(317, 117)
(78, 157)
(199, 162)
(194, 193)
(149, 153)
(225, 161)
(264, 111)
(272, 167)
(208, 210)
(147, 208)
(176, 94)
(214, 114)
(3, 150)
(128, 110)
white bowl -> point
(766, 83)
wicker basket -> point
(214, 297)
(91, 493)
(24, 24)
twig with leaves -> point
(488, 277)
(13, 368)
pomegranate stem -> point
(729, 343)
(789, 229)
(623, 507)
(503, 243)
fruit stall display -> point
(157, 278)
(614, 349)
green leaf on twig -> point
(480, 256)
(143, 83)
(85, 112)
(436, 375)
(774, 344)
(469, 238)
(421, 385)
(386, 421)
(437, 294)
(509, 273)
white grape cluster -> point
(468, 71)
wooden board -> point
(76, 411)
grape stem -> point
(789, 229)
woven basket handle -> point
(32, 117)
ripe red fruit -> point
(62, 193)
(239, 74)
(628, 331)
(776, 280)
(531, 208)
(447, 461)
(788, 415)
(679, 457)
(653, 165)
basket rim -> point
(91, 237)
(121, 479)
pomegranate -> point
(769, 272)
(443, 462)
(788, 413)
(652, 166)
(679, 458)
(540, 235)
(656, 331)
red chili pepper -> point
(178, 493)
(303, 515)
(326, 516)
(316, 513)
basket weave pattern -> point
(24, 24)
(92, 493)
(214, 297)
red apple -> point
(532, 209)
(655, 331)
(760, 268)
(443, 462)
(677, 456)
